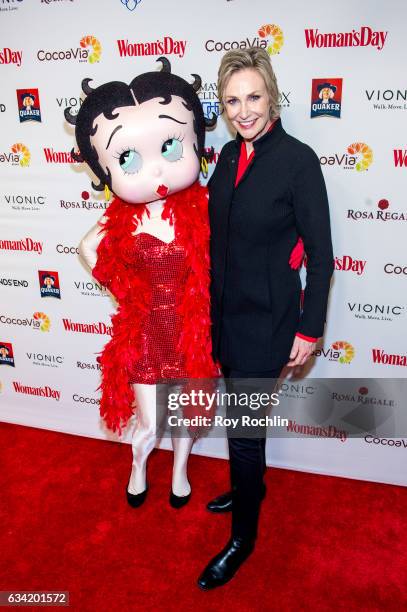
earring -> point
(204, 166)
(107, 193)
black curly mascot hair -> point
(110, 96)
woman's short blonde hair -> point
(253, 57)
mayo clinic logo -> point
(269, 37)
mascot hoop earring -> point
(204, 166)
(107, 193)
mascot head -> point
(144, 140)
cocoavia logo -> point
(364, 153)
(276, 40)
(94, 44)
(19, 155)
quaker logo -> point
(269, 37)
(13, 282)
(39, 321)
(28, 101)
(90, 288)
(391, 359)
(400, 158)
(358, 156)
(350, 264)
(208, 94)
(340, 351)
(364, 37)
(130, 4)
(58, 157)
(9, 5)
(24, 202)
(89, 50)
(49, 284)
(391, 268)
(45, 359)
(326, 98)
(84, 203)
(164, 46)
(387, 99)
(375, 312)
(383, 212)
(8, 56)
(74, 103)
(19, 155)
(6, 354)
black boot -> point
(224, 566)
(224, 503)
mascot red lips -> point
(162, 190)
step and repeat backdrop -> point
(341, 74)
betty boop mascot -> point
(145, 143)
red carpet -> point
(325, 543)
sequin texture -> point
(163, 266)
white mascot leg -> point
(144, 436)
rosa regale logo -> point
(347, 348)
(43, 319)
(276, 34)
(23, 154)
(91, 41)
(366, 155)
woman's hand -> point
(300, 352)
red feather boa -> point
(187, 210)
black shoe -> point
(177, 501)
(136, 500)
(225, 565)
(224, 502)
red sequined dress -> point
(163, 267)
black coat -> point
(255, 295)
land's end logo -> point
(49, 284)
(28, 105)
(19, 155)
(400, 158)
(276, 40)
(6, 354)
(364, 37)
(326, 98)
(44, 321)
(364, 153)
(89, 50)
(340, 351)
(131, 4)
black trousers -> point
(247, 458)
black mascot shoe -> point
(136, 500)
(223, 503)
(224, 566)
(177, 501)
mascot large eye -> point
(172, 149)
(130, 161)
